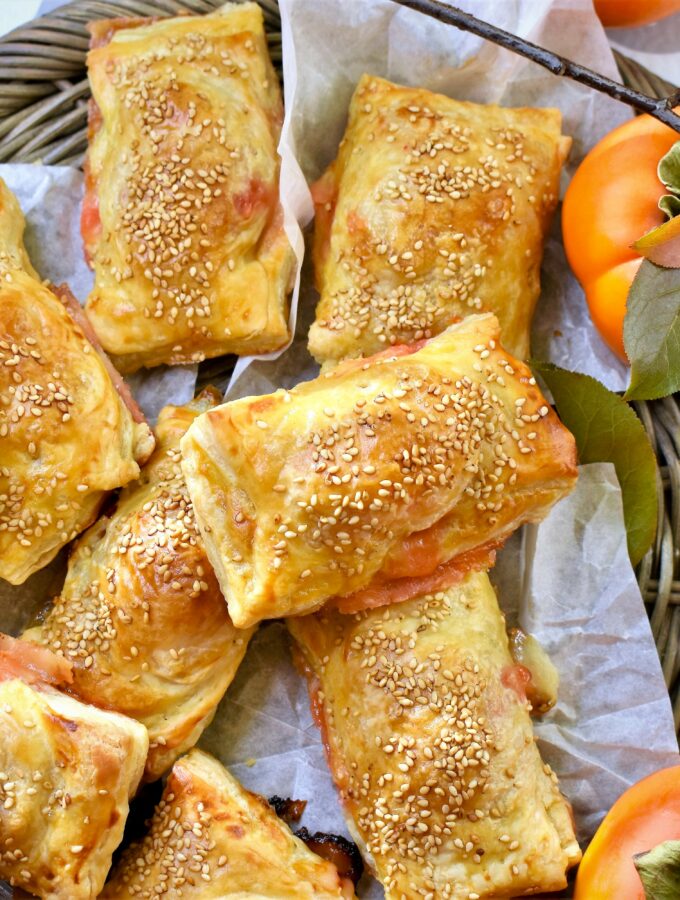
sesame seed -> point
(444, 164)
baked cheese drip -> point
(66, 435)
(433, 209)
(181, 218)
(141, 617)
(374, 476)
(430, 743)
(67, 772)
(210, 838)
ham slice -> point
(90, 221)
(32, 663)
(383, 593)
(77, 313)
(102, 30)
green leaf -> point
(607, 430)
(661, 245)
(668, 169)
(659, 871)
(670, 205)
(651, 332)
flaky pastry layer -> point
(433, 209)
(182, 219)
(141, 617)
(429, 740)
(401, 467)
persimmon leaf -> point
(651, 332)
(659, 871)
(670, 205)
(661, 245)
(668, 169)
(607, 429)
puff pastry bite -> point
(181, 219)
(431, 747)
(66, 433)
(68, 771)
(433, 209)
(380, 479)
(141, 617)
(210, 838)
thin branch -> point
(661, 109)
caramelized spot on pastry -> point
(287, 809)
(336, 849)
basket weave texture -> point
(43, 117)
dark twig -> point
(661, 109)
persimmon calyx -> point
(670, 205)
(659, 871)
(661, 245)
(668, 171)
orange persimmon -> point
(647, 814)
(610, 203)
(616, 13)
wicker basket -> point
(43, 116)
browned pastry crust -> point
(376, 476)
(66, 435)
(182, 220)
(433, 209)
(67, 773)
(210, 838)
(430, 743)
(141, 616)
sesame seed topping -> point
(423, 771)
(451, 437)
(109, 620)
(194, 199)
(382, 285)
(178, 853)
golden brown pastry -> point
(181, 219)
(381, 479)
(66, 434)
(210, 838)
(433, 209)
(431, 747)
(68, 771)
(141, 616)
